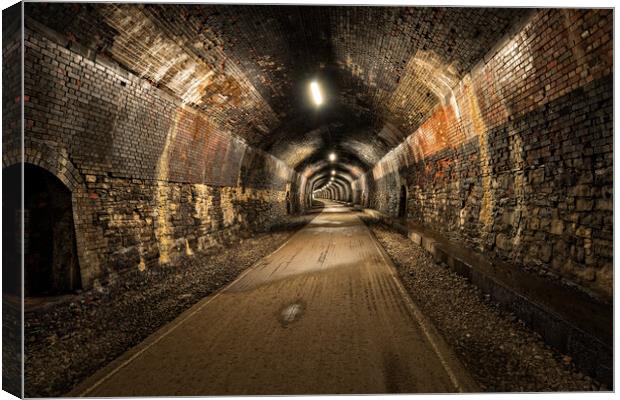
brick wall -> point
(153, 180)
(517, 161)
(11, 71)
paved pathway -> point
(325, 313)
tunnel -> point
(227, 199)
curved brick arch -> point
(57, 163)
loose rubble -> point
(500, 352)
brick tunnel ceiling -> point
(382, 70)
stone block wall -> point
(517, 161)
(153, 180)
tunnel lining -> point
(467, 164)
(506, 172)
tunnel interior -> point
(437, 114)
(158, 134)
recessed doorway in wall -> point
(51, 264)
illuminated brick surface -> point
(179, 126)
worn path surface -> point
(325, 313)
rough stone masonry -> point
(517, 161)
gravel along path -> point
(500, 352)
(68, 341)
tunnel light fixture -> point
(315, 89)
(333, 172)
(332, 157)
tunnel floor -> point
(325, 313)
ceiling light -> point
(333, 172)
(332, 156)
(316, 93)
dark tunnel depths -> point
(336, 186)
(51, 265)
(332, 179)
(358, 133)
(334, 190)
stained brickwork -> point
(153, 179)
(178, 126)
(518, 161)
(383, 69)
(11, 86)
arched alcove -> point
(51, 263)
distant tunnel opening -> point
(51, 264)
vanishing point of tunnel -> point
(251, 199)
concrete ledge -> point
(569, 320)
